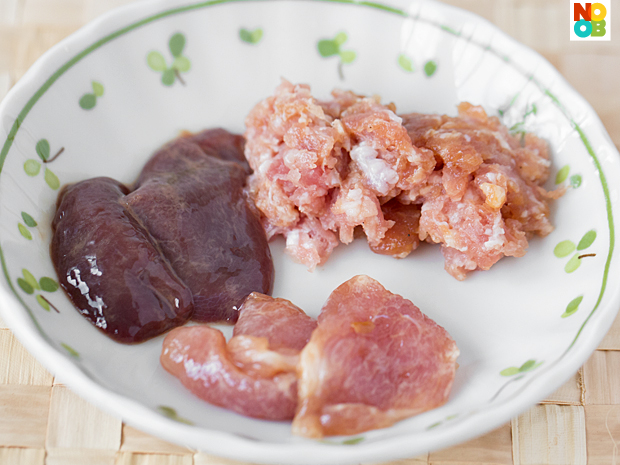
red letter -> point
(580, 11)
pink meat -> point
(282, 324)
(485, 199)
(269, 335)
(323, 168)
(381, 148)
(255, 373)
(201, 359)
(374, 359)
(255, 357)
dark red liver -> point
(110, 266)
(194, 206)
(220, 143)
(185, 243)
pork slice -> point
(269, 335)
(200, 358)
(373, 359)
(284, 325)
(255, 373)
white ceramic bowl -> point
(97, 97)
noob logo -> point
(590, 21)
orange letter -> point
(602, 12)
(580, 11)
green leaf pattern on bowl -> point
(566, 247)
(70, 350)
(32, 167)
(345, 442)
(430, 67)
(251, 37)
(527, 366)
(23, 228)
(29, 284)
(572, 307)
(89, 100)
(171, 413)
(563, 174)
(332, 47)
(24, 231)
(180, 63)
(405, 62)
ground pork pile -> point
(323, 169)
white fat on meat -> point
(496, 235)
(379, 175)
(393, 117)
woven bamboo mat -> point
(42, 422)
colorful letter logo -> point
(590, 21)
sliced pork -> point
(374, 359)
(255, 373)
(284, 325)
(199, 357)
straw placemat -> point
(42, 422)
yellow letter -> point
(602, 12)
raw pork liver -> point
(194, 206)
(186, 243)
(374, 359)
(220, 143)
(110, 266)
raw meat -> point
(199, 357)
(193, 204)
(323, 168)
(255, 372)
(486, 201)
(374, 359)
(185, 243)
(111, 267)
(254, 356)
(220, 143)
(284, 325)
(269, 335)
(402, 238)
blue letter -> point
(587, 31)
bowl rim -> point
(27, 330)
